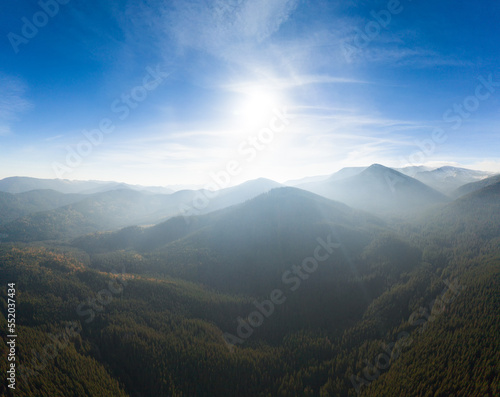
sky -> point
(189, 91)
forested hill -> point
(232, 304)
(31, 216)
(13, 206)
(244, 248)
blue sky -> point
(185, 89)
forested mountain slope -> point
(201, 308)
(13, 206)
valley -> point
(269, 290)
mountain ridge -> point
(380, 189)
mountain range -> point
(378, 189)
(448, 179)
(110, 210)
(26, 184)
(287, 283)
(255, 290)
(99, 206)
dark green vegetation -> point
(103, 211)
(14, 206)
(393, 308)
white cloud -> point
(492, 165)
(53, 138)
(12, 101)
(280, 83)
(4, 130)
(221, 27)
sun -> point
(256, 106)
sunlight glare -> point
(256, 106)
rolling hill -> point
(184, 308)
(473, 216)
(248, 247)
(13, 206)
(19, 184)
(474, 186)
(115, 209)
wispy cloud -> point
(492, 165)
(4, 129)
(221, 27)
(405, 56)
(290, 82)
(12, 101)
(53, 138)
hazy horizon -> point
(235, 181)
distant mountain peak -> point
(377, 166)
(382, 170)
(261, 181)
(379, 189)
